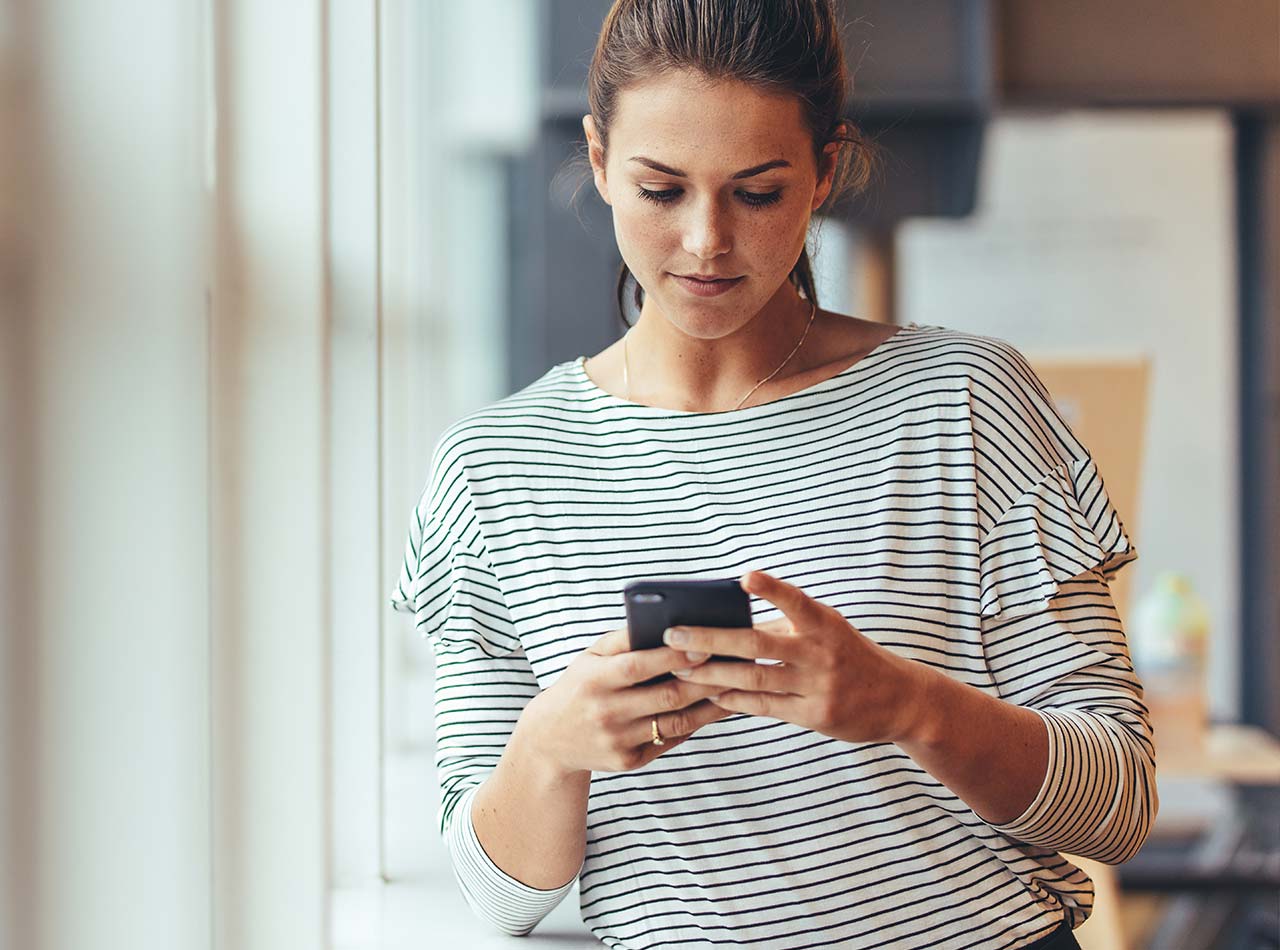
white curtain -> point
(170, 314)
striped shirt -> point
(932, 493)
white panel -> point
(272, 567)
(488, 95)
(832, 260)
(411, 333)
(357, 597)
(118, 641)
(449, 115)
(1102, 231)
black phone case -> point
(654, 605)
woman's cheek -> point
(621, 235)
(637, 240)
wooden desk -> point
(1191, 798)
(1246, 755)
(1231, 753)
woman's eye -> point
(760, 199)
(754, 199)
(661, 197)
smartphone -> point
(654, 605)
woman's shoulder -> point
(983, 357)
(850, 334)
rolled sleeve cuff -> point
(1084, 805)
(1040, 814)
(513, 906)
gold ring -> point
(657, 736)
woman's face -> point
(713, 207)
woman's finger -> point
(679, 724)
(775, 705)
(757, 677)
(611, 644)
(636, 666)
(640, 701)
(749, 643)
(649, 751)
(798, 607)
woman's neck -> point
(666, 366)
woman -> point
(950, 702)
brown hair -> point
(780, 46)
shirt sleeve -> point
(1053, 639)
(483, 681)
(1069, 663)
(1062, 526)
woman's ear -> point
(826, 178)
(595, 152)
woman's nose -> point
(707, 232)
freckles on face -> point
(692, 214)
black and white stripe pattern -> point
(932, 493)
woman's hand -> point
(596, 718)
(831, 678)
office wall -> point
(1103, 231)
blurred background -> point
(254, 257)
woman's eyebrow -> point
(745, 173)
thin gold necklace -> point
(626, 373)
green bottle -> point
(1169, 643)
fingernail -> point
(681, 673)
(674, 636)
(695, 657)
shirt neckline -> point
(578, 367)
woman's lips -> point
(707, 288)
